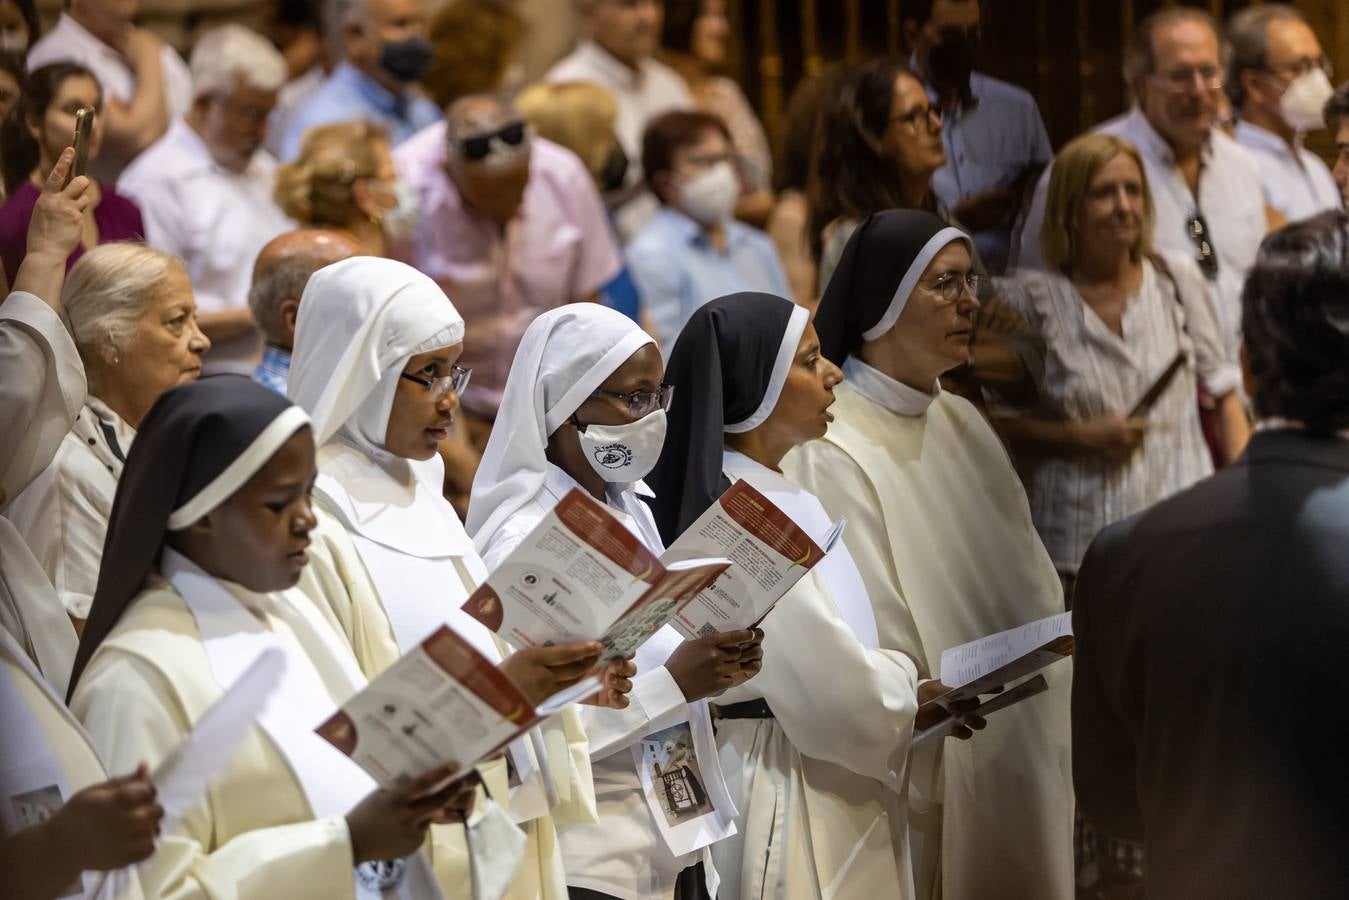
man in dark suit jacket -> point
(1212, 671)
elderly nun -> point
(946, 548)
(585, 380)
(814, 748)
(377, 345)
(134, 320)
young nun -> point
(59, 815)
(375, 364)
(209, 529)
(814, 748)
(947, 549)
(587, 377)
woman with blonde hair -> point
(1114, 316)
(344, 179)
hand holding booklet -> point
(993, 662)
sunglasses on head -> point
(479, 147)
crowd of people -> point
(340, 310)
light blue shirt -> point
(274, 369)
(677, 270)
(988, 145)
(349, 93)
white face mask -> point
(1303, 103)
(709, 198)
(400, 222)
(622, 454)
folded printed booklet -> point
(442, 702)
(581, 575)
(769, 553)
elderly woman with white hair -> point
(205, 188)
(134, 320)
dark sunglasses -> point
(1202, 238)
(479, 147)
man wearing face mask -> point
(510, 225)
(385, 52)
(1279, 81)
(995, 140)
(205, 188)
(694, 250)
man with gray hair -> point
(385, 51)
(1205, 187)
(511, 225)
(280, 274)
(1279, 81)
(205, 187)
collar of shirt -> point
(614, 70)
(273, 370)
(933, 97)
(193, 156)
(108, 429)
(558, 483)
(885, 391)
(371, 91)
(686, 230)
(1266, 141)
(1152, 145)
(68, 32)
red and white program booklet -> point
(769, 553)
(581, 575)
(442, 702)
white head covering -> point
(565, 354)
(360, 321)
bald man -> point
(280, 273)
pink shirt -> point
(558, 248)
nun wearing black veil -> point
(947, 549)
(814, 748)
(209, 531)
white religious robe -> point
(338, 580)
(943, 535)
(254, 835)
(820, 786)
(55, 753)
(623, 854)
(42, 387)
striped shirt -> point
(1090, 371)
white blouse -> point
(1090, 371)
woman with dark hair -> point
(33, 138)
(19, 27)
(878, 143)
(693, 43)
(815, 748)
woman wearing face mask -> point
(209, 534)
(38, 129)
(587, 378)
(946, 549)
(376, 362)
(694, 250)
(817, 772)
(344, 179)
(131, 312)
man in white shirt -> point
(1337, 116)
(205, 188)
(1205, 187)
(995, 140)
(622, 35)
(145, 83)
(1278, 81)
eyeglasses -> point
(479, 147)
(1205, 255)
(929, 115)
(951, 286)
(456, 381)
(641, 403)
(1299, 67)
(1178, 81)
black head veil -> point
(880, 265)
(725, 365)
(199, 444)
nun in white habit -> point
(947, 550)
(587, 379)
(375, 364)
(814, 748)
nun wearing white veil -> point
(375, 365)
(586, 382)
